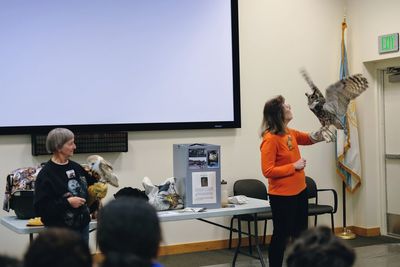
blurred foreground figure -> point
(7, 261)
(128, 233)
(58, 247)
(319, 247)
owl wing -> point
(339, 94)
(105, 166)
(107, 173)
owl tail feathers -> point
(307, 78)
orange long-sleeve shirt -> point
(278, 154)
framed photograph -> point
(212, 159)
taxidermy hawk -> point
(164, 196)
(331, 109)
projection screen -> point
(99, 65)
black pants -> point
(290, 218)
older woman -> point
(61, 186)
(283, 165)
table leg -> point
(30, 238)
(256, 240)
(239, 242)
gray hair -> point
(56, 138)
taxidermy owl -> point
(102, 169)
(330, 110)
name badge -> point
(70, 174)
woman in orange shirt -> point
(284, 167)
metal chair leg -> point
(249, 230)
(265, 231)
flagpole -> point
(346, 233)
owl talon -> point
(329, 133)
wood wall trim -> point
(361, 231)
(222, 244)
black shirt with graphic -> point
(54, 184)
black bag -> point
(22, 204)
(131, 192)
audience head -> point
(7, 261)
(319, 247)
(58, 247)
(128, 232)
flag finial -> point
(344, 24)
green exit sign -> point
(388, 43)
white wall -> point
(276, 39)
(367, 19)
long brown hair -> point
(273, 116)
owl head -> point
(315, 99)
(102, 170)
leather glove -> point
(97, 191)
(327, 133)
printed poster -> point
(204, 187)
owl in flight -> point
(331, 109)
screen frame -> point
(235, 123)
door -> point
(391, 92)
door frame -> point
(380, 77)
(381, 71)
